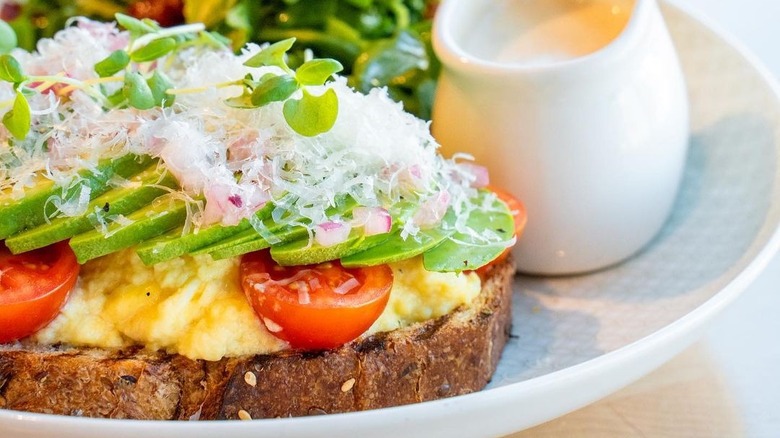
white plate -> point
(578, 339)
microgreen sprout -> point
(144, 86)
(309, 114)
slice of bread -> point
(451, 355)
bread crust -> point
(451, 355)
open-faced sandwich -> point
(194, 234)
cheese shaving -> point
(235, 160)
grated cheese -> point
(235, 160)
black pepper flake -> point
(106, 207)
(148, 294)
(501, 230)
(129, 379)
(465, 262)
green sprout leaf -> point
(18, 120)
(10, 69)
(312, 115)
(8, 39)
(272, 55)
(117, 98)
(244, 101)
(113, 64)
(159, 83)
(274, 89)
(154, 50)
(214, 39)
(134, 25)
(137, 92)
(317, 71)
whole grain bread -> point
(454, 354)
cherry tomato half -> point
(33, 288)
(315, 306)
(518, 214)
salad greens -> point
(380, 43)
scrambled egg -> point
(194, 306)
(419, 295)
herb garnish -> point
(145, 87)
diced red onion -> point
(236, 200)
(347, 286)
(374, 220)
(303, 296)
(480, 174)
(415, 171)
(241, 147)
(217, 204)
(432, 210)
(272, 326)
(331, 233)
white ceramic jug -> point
(578, 108)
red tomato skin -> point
(24, 312)
(329, 320)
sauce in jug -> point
(538, 32)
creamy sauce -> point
(537, 32)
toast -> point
(452, 355)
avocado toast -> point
(211, 224)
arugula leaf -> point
(389, 59)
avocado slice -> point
(163, 214)
(175, 243)
(242, 237)
(17, 215)
(396, 248)
(250, 240)
(285, 234)
(145, 187)
(463, 251)
(303, 252)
